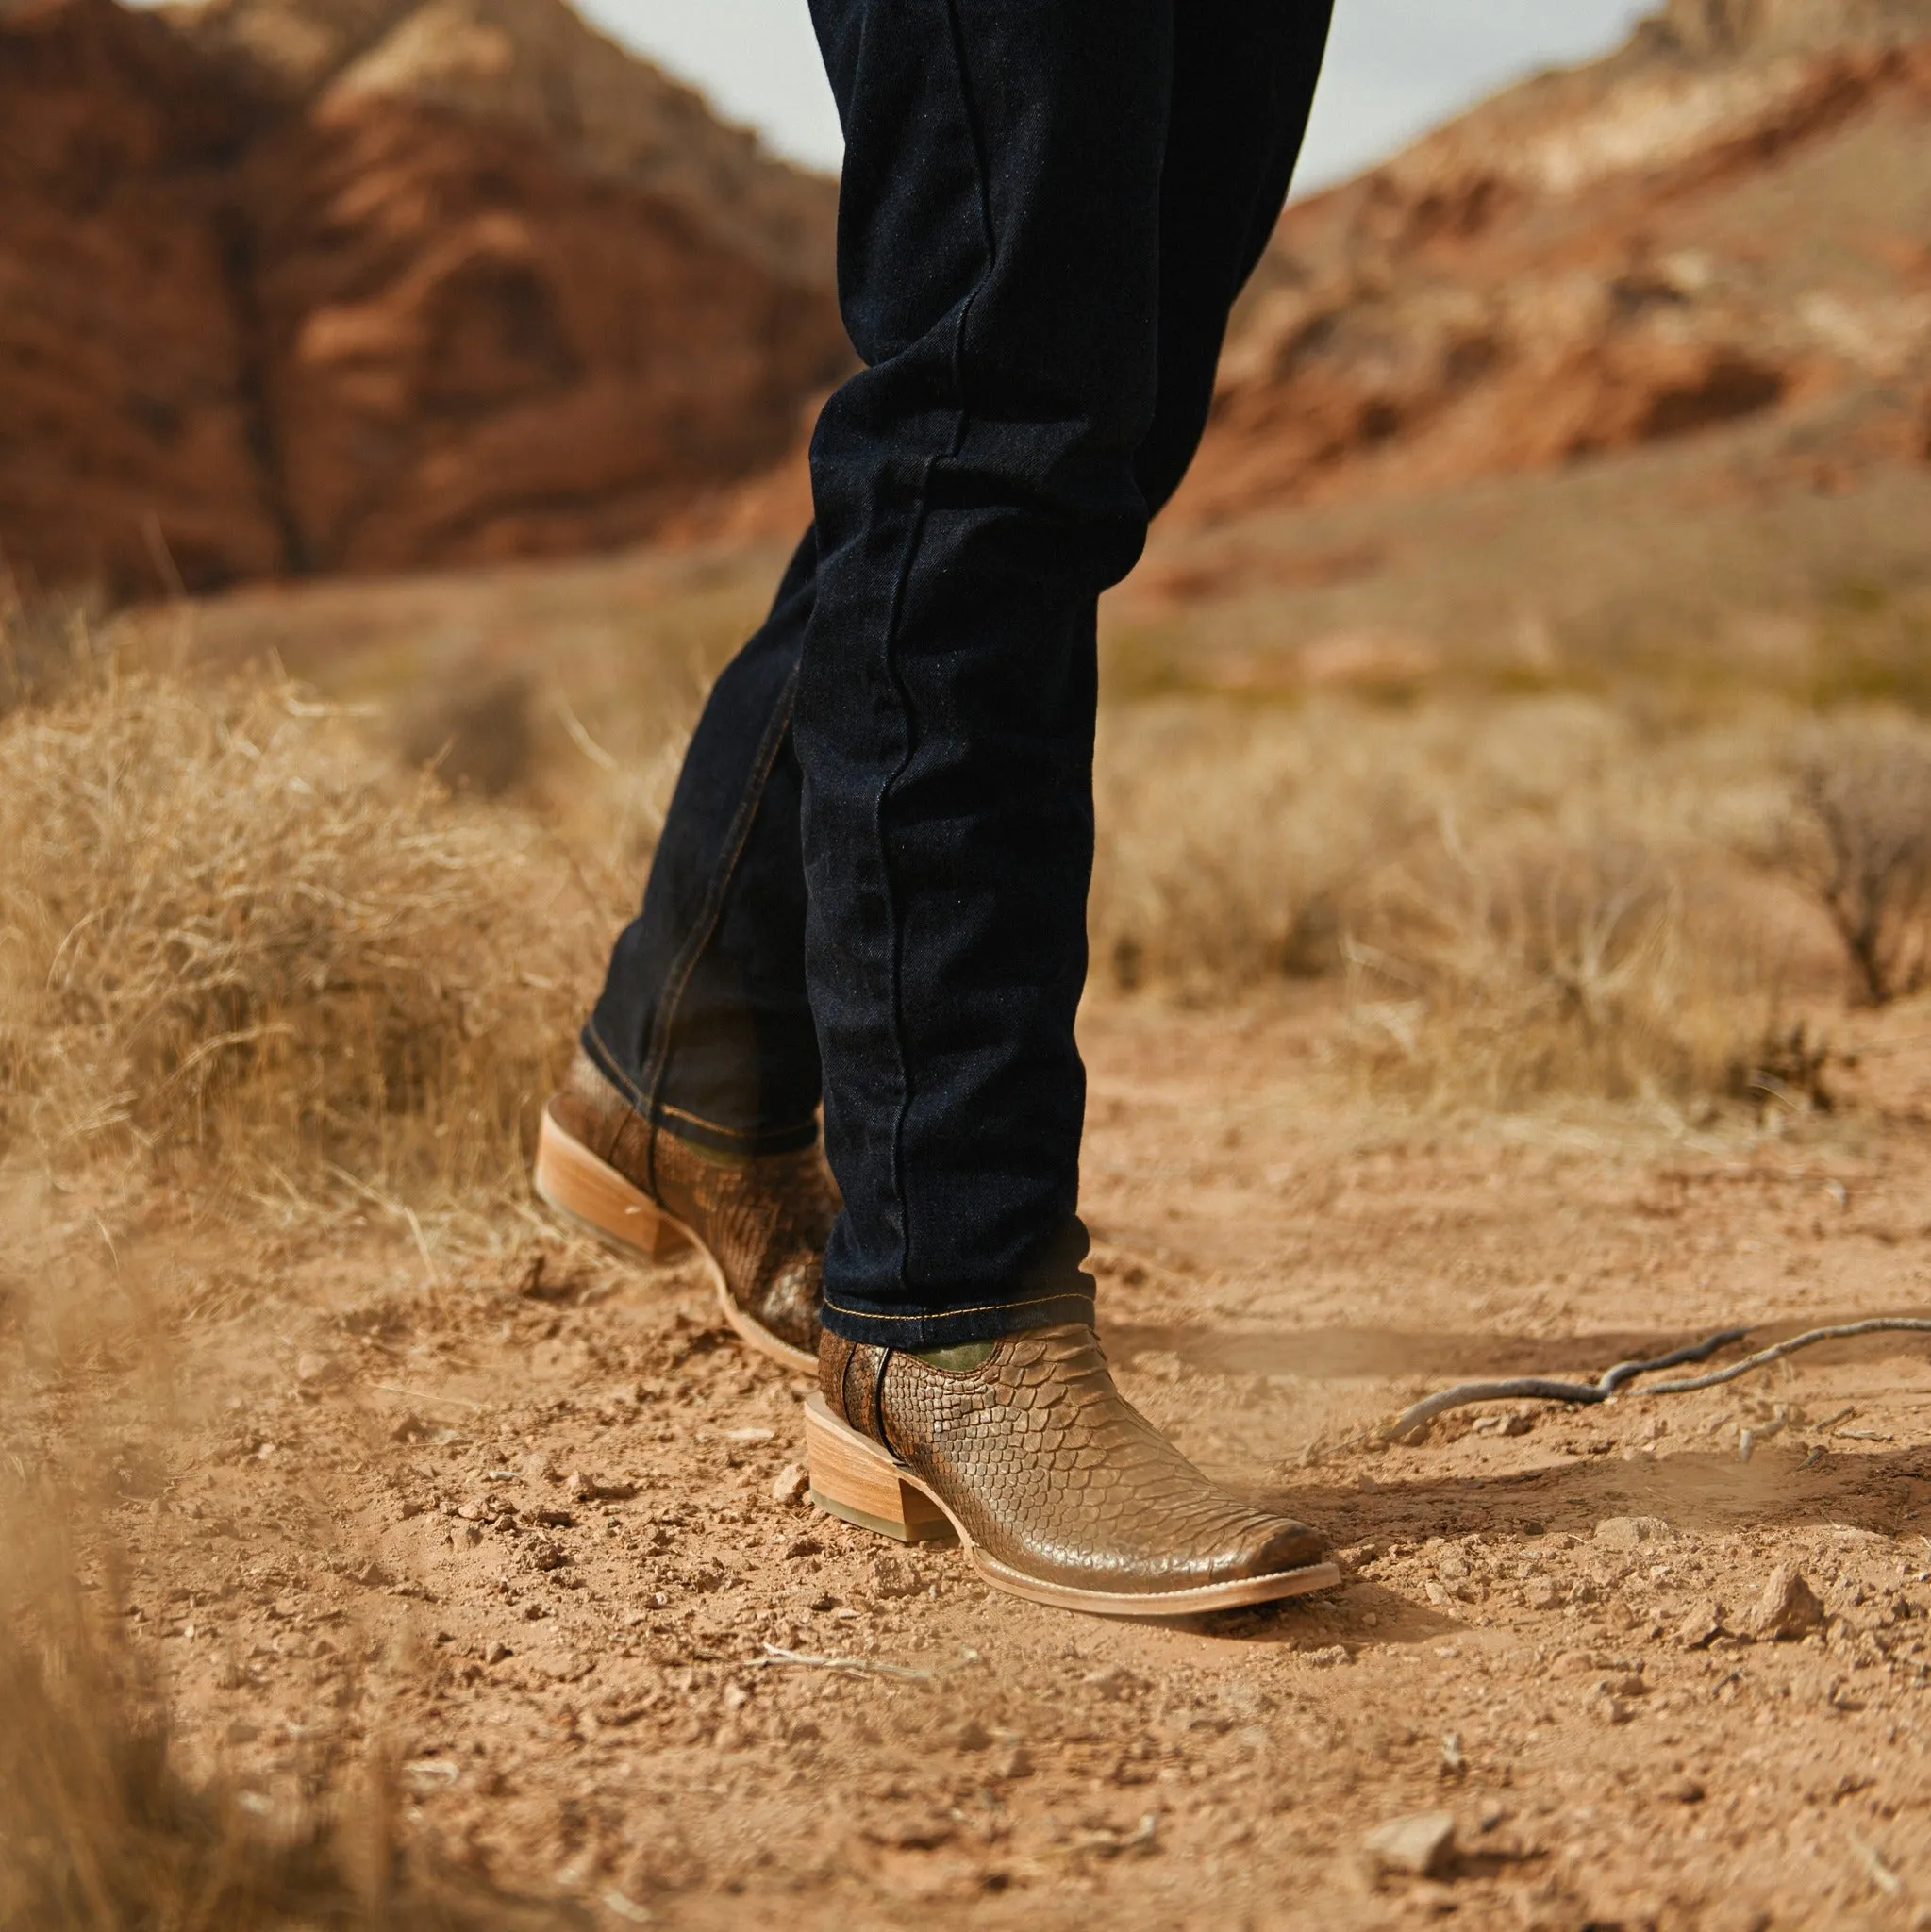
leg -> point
(690, 1112)
(704, 1023)
(975, 492)
(1041, 355)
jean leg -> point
(1244, 73)
(703, 1021)
(975, 492)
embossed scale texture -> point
(764, 1218)
(1053, 1473)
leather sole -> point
(858, 1482)
(590, 1193)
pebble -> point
(1631, 1532)
(1605, 1707)
(1788, 1608)
(791, 1484)
(893, 1576)
(1420, 1845)
(1703, 1624)
(750, 1436)
(496, 1652)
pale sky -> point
(1394, 69)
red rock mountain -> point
(311, 284)
(1728, 218)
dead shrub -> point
(1858, 839)
(1542, 964)
(229, 931)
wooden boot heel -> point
(598, 1199)
(859, 1483)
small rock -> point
(554, 1519)
(1418, 1846)
(1012, 1759)
(973, 1735)
(539, 1552)
(536, 1467)
(801, 1546)
(1684, 1791)
(316, 1371)
(496, 1652)
(894, 1577)
(1327, 1657)
(1540, 1593)
(1605, 1707)
(1631, 1532)
(750, 1437)
(1702, 1627)
(1112, 1683)
(791, 1484)
(1788, 1608)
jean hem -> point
(719, 1137)
(911, 1330)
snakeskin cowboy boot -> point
(760, 1220)
(1058, 1489)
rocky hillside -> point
(1728, 218)
(310, 285)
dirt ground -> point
(531, 1520)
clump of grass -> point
(1543, 965)
(1230, 840)
(232, 935)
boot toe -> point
(1288, 1546)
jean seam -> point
(1038, 1301)
(914, 542)
(649, 1094)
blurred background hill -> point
(1633, 360)
(302, 288)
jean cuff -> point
(910, 1330)
(681, 1124)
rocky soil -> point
(531, 1518)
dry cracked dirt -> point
(532, 1522)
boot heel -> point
(859, 1483)
(596, 1197)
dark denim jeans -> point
(871, 886)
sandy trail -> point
(521, 1524)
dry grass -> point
(237, 938)
(103, 1827)
(1526, 897)
(1858, 839)
(231, 936)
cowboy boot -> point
(760, 1220)
(1058, 1489)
